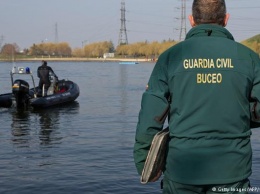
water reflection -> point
(20, 127)
(123, 85)
(42, 123)
(50, 122)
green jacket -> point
(213, 84)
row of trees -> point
(94, 50)
(9, 50)
(253, 43)
(144, 49)
(97, 50)
(139, 49)
(51, 49)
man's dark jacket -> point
(43, 73)
(213, 84)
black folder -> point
(156, 157)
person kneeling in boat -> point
(44, 72)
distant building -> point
(108, 55)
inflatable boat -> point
(67, 91)
(60, 92)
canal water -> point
(83, 147)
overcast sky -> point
(26, 22)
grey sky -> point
(26, 22)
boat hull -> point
(6, 100)
(58, 98)
(70, 94)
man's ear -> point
(192, 22)
(226, 19)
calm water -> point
(86, 146)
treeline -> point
(253, 43)
(63, 49)
(98, 49)
(50, 49)
(144, 49)
(94, 50)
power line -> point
(151, 23)
(244, 7)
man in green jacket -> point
(212, 85)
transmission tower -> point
(183, 20)
(122, 34)
(1, 41)
(56, 33)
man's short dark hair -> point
(44, 63)
(209, 11)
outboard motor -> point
(21, 93)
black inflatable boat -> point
(66, 91)
(60, 92)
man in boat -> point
(44, 71)
(213, 84)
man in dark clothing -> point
(213, 84)
(43, 73)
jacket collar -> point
(209, 30)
